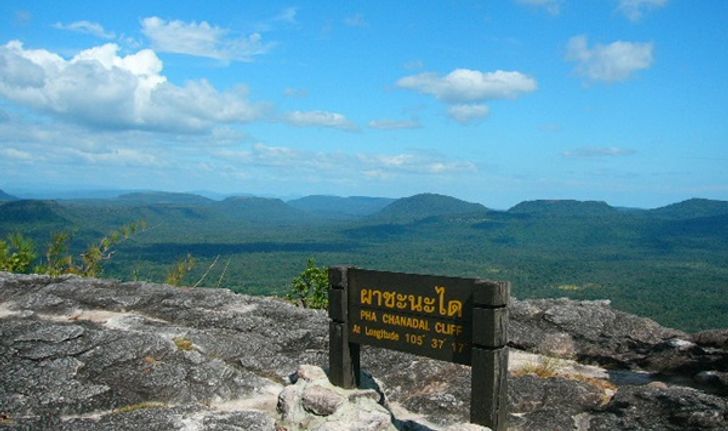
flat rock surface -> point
(89, 354)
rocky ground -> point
(88, 354)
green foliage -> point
(17, 254)
(310, 288)
(58, 260)
(179, 270)
(96, 254)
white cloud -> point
(202, 40)
(468, 113)
(290, 161)
(356, 20)
(100, 88)
(15, 154)
(287, 15)
(295, 92)
(593, 152)
(462, 87)
(551, 6)
(609, 63)
(385, 124)
(634, 9)
(385, 165)
(86, 27)
(465, 85)
(319, 119)
(117, 157)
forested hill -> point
(426, 205)
(6, 197)
(564, 208)
(669, 263)
(692, 208)
(340, 207)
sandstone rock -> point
(654, 408)
(313, 403)
(88, 354)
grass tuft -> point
(139, 406)
(183, 343)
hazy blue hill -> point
(564, 208)
(340, 207)
(31, 211)
(6, 197)
(164, 198)
(262, 210)
(426, 205)
(692, 208)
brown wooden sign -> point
(458, 320)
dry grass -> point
(549, 367)
(546, 368)
(183, 343)
(139, 406)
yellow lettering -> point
(368, 315)
(448, 328)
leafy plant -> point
(17, 254)
(310, 288)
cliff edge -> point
(89, 354)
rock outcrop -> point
(89, 354)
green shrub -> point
(17, 254)
(310, 289)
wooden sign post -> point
(452, 319)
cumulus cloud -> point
(202, 40)
(86, 27)
(635, 9)
(462, 87)
(386, 124)
(319, 119)
(468, 113)
(465, 85)
(100, 88)
(594, 152)
(609, 63)
(551, 6)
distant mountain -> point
(340, 207)
(260, 209)
(31, 211)
(692, 208)
(6, 197)
(426, 205)
(164, 198)
(563, 208)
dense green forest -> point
(670, 263)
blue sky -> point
(490, 101)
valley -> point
(669, 263)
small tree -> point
(58, 260)
(310, 288)
(96, 254)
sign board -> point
(460, 320)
